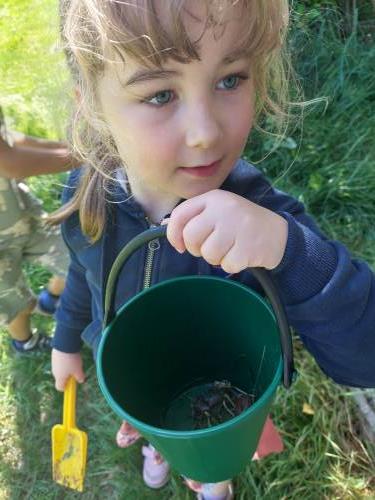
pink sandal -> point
(155, 468)
(211, 491)
(126, 435)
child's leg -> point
(17, 303)
(47, 247)
(56, 285)
(16, 299)
(20, 327)
(24, 340)
(49, 297)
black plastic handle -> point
(260, 274)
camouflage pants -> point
(29, 239)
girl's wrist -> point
(308, 264)
(279, 238)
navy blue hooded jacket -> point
(329, 297)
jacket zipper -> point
(152, 247)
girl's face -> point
(179, 131)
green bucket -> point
(165, 345)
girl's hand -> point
(64, 365)
(228, 230)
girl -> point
(169, 92)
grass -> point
(33, 78)
(327, 163)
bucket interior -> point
(171, 340)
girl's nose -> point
(202, 127)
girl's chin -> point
(191, 193)
(199, 187)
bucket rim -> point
(191, 434)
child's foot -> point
(155, 468)
(126, 435)
(38, 342)
(212, 491)
(47, 303)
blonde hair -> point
(97, 31)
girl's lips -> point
(203, 171)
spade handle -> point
(69, 413)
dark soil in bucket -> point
(221, 402)
(207, 405)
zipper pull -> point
(153, 245)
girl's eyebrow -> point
(146, 74)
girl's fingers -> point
(79, 375)
(235, 260)
(196, 232)
(60, 383)
(180, 217)
(216, 246)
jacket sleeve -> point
(328, 295)
(74, 312)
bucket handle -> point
(260, 274)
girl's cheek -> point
(151, 116)
(242, 119)
(155, 124)
(156, 142)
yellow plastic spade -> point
(69, 444)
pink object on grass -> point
(270, 441)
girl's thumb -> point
(80, 376)
(60, 383)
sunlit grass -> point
(33, 77)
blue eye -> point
(160, 98)
(231, 82)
